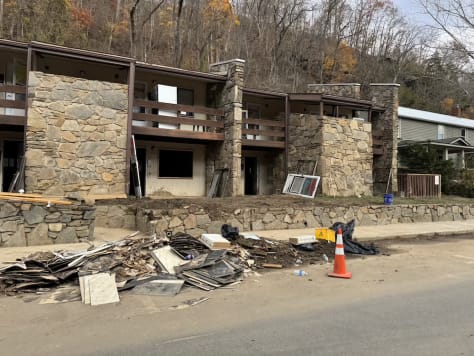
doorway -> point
(141, 159)
(251, 176)
(11, 160)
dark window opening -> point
(175, 164)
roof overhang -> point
(183, 73)
(453, 145)
(331, 100)
(264, 93)
(81, 54)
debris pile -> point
(160, 266)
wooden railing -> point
(12, 104)
(180, 121)
(419, 185)
(263, 133)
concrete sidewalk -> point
(383, 232)
(362, 233)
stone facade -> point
(29, 224)
(228, 154)
(386, 96)
(347, 90)
(346, 158)
(76, 135)
(195, 220)
(342, 148)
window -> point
(302, 185)
(175, 164)
(186, 97)
(464, 133)
(440, 132)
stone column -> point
(229, 154)
(386, 96)
(347, 90)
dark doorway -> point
(141, 159)
(12, 153)
(251, 177)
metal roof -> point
(428, 116)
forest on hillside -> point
(287, 44)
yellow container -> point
(325, 234)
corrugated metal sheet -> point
(418, 130)
(421, 115)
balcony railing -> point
(180, 121)
(12, 104)
(263, 133)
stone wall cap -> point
(235, 60)
(384, 84)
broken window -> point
(175, 164)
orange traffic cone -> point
(340, 259)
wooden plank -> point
(153, 131)
(46, 200)
(12, 120)
(263, 143)
(177, 120)
(4, 88)
(178, 107)
(264, 122)
(273, 133)
(272, 265)
(105, 196)
(13, 104)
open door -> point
(11, 160)
(251, 176)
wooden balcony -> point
(179, 121)
(12, 105)
(263, 133)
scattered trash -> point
(306, 247)
(158, 286)
(189, 303)
(272, 265)
(351, 246)
(98, 289)
(300, 272)
(298, 261)
(325, 257)
(167, 259)
(215, 241)
(229, 232)
(300, 240)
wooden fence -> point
(419, 185)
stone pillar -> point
(229, 154)
(347, 90)
(386, 96)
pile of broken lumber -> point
(148, 264)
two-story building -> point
(452, 136)
(72, 115)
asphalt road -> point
(439, 321)
(416, 301)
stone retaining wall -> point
(195, 220)
(29, 224)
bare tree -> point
(456, 19)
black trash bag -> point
(306, 247)
(351, 246)
(229, 232)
